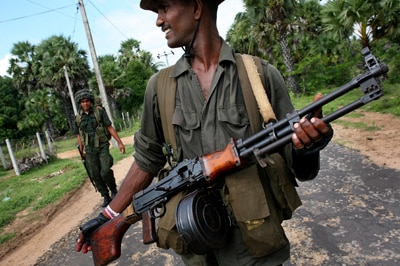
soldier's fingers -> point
(320, 125)
(317, 112)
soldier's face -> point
(86, 104)
(176, 19)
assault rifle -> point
(197, 172)
(84, 164)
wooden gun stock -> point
(149, 228)
(220, 162)
(106, 240)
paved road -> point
(350, 216)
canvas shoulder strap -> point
(97, 114)
(253, 88)
(166, 89)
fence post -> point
(3, 159)
(41, 147)
(129, 120)
(13, 160)
(49, 143)
(123, 120)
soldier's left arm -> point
(115, 135)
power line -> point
(36, 14)
(115, 27)
(76, 16)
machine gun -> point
(202, 171)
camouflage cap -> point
(152, 4)
(84, 94)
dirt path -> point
(379, 146)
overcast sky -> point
(111, 22)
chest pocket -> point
(185, 120)
(234, 121)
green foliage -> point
(317, 73)
(40, 109)
(389, 102)
(389, 53)
(10, 109)
(134, 80)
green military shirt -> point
(88, 124)
(204, 125)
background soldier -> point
(94, 130)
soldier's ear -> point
(198, 9)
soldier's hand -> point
(121, 148)
(83, 242)
(312, 133)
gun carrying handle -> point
(149, 228)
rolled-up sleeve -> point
(149, 139)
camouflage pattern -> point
(84, 94)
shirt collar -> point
(182, 65)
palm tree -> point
(385, 23)
(273, 18)
(368, 19)
(53, 54)
(21, 67)
(40, 109)
(244, 37)
(110, 72)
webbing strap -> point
(166, 90)
(254, 94)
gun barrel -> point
(272, 133)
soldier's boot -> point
(106, 201)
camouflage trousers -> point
(99, 162)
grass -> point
(357, 125)
(45, 185)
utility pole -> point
(96, 67)
(166, 56)
(71, 94)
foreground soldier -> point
(94, 130)
(209, 109)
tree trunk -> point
(287, 57)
